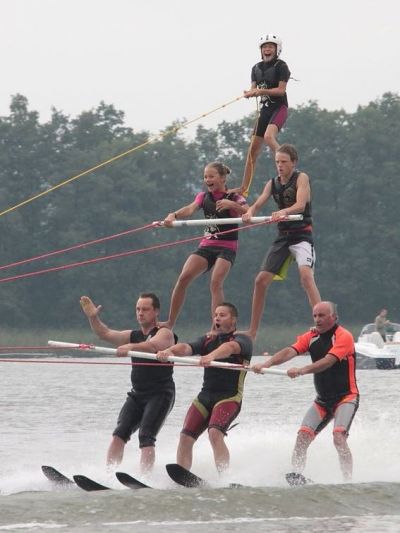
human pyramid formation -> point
(219, 402)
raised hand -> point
(88, 307)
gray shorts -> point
(318, 417)
(302, 252)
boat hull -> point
(370, 357)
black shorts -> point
(270, 115)
(212, 253)
(146, 412)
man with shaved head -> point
(332, 352)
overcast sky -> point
(162, 60)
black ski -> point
(295, 479)
(184, 477)
(88, 484)
(56, 477)
(130, 481)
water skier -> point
(291, 191)
(220, 399)
(215, 252)
(332, 351)
(269, 79)
(153, 390)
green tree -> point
(352, 159)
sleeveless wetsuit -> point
(150, 400)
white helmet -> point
(271, 38)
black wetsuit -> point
(150, 400)
(220, 399)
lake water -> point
(63, 415)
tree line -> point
(351, 158)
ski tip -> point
(88, 484)
(295, 479)
(184, 477)
(130, 481)
(56, 477)
(187, 479)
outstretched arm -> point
(102, 330)
(183, 212)
(261, 200)
(181, 349)
(277, 359)
(319, 366)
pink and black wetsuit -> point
(207, 201)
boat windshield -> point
(391, 329)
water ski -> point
(56, 477)
(88, 484)
(184, 477)
(295, 479)
(130, 481)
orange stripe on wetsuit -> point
(339, 380)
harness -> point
(210, 212)
(266, 77)
(285, 196)
(138, 336)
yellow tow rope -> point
(245, 193)
(116, 158)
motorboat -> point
(375, 352)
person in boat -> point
(153, 390)
(269, 79)
(220, 399)
(332, 351)
(381, 323)
(216, 252)
(291, 191)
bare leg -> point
(256, 145)
(308, 282)
(270, 138)
(345, 456)
(147, 458)
(261, 284)
(299, 456)
(184, 455)
(193, 267)
(115, 451)
(219, 273)
(220, 450)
